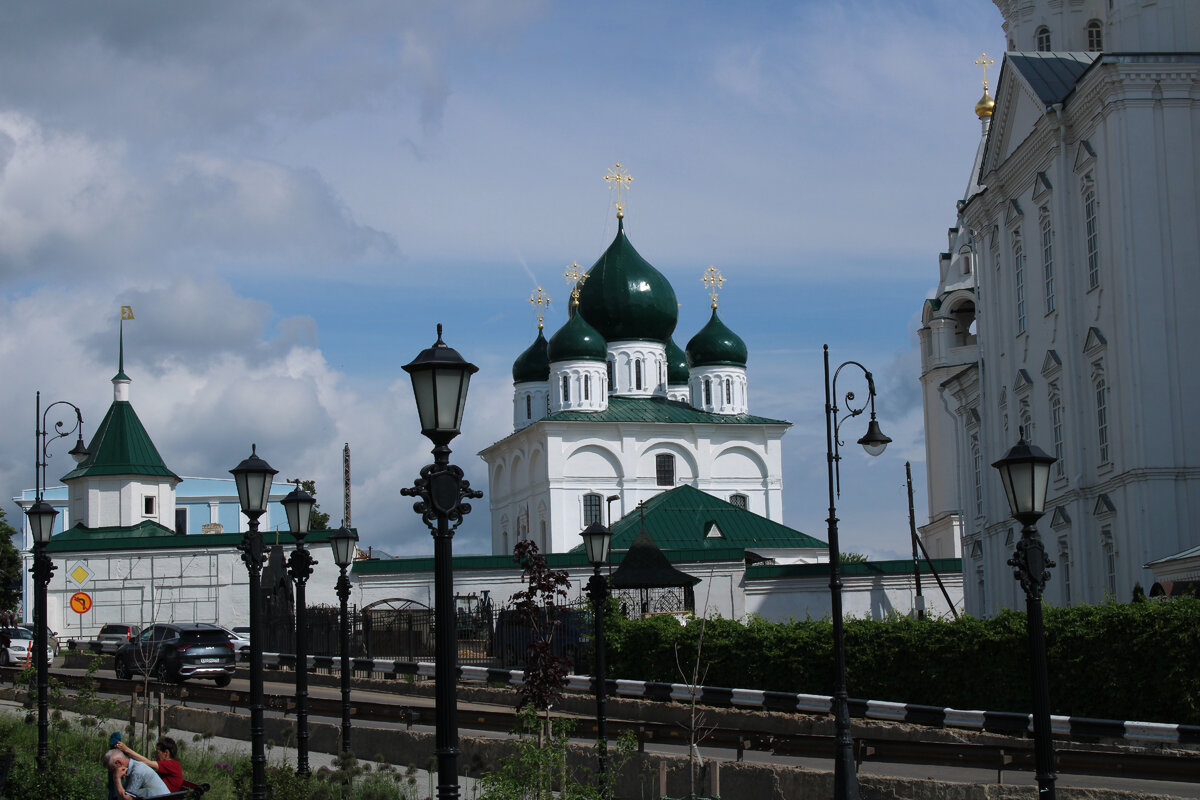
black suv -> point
(177, 651)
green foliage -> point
(10, 567)
(1137, 661)
(318, 520)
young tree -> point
(10, 567)
(538, 606)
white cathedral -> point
(1066, 302)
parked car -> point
(240, 641)
(176, 652)
(21, 645)
(51, 636)
(113, 635)
(570, 635)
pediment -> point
(1094, 342)
(1013, 213)
(1085, 156)
(1052, 364)
(1060, 518)
(1023, 382)
(1103, 507)
(713, 531)
(1041, 187)
(1016, 114)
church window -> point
(728, 393)
(566, 388)
(1019, 281)
(1110, 561)
(977, 473)
(181, 520)
(1056, 426)
(1048, 262)
(1042, 37)
(1102, 418)
(637, 374)
(528, 406)
(707, 392)
(664, 469)
(610, 372)
(148, 505)
(591, 509)
(1093, 239)
(1095, 36)
(739, 501)
(587, 387)
(1026, 415)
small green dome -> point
(577, 340)
(677, 366)
(534, 363)
(627, 298)
(715, 344)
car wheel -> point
(121, 668)
(222, 681)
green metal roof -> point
(658, 409)
(121, 446)
(683, 517)
(897, 567)
(149, 535)
(677, 366)
(534, 363)
(576, 340)
(716, 344)
(625, 297)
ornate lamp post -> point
(41, 524)
(299, 505)
(1025, 472)
(440, 377)
(343, 545)
(253, 478)
(845, 779)
(596, 541)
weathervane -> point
(576, 279)
(714, 281)
(618, 175)
(539, 299)
(983, 62)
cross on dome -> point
(539, 299)
(983, 62)
(576, 279)
(714, 280)
(619, 176)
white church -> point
(1066, 303)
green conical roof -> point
(121, 446)
(624, 297)
(715, 344)
(577, 340)
(677, 366)
(534, 363)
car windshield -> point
(20, 633)
(122, 630)
(211, 635)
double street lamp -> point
(440, 377)
(596, 541)
(41, 524)
(253, 478)
(299, 505)
(845, 779)
(1025, 473)
(343, 545)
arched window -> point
(739, 500)
(591, 509)
(707, 392)
(587, 387)
(664, 469)
(1056, 427)
(1042, 38)
(1093, 238)
(728, 393)
(637, 374)
(1095, 36)
(1026, 415)
(528, 406)
(1048, 261)
(566, 389)
(1019, 282)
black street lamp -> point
(343, 545)
(1025, 472)
(596, 541)
(440, 377)
(299, 505)
(41, 524)
(845, 779)
(253, 478)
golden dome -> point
(985, 105)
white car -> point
(17, 653)
(240, 642)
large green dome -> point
(534, 363)
(575, 341)
(715, 345)
(677, 367)
(625, 297)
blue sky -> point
(291, 195)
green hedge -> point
(1139, 661)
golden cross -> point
(983, 62)
(621, 178)
(576, 279)
(714, 281)
(539, 299)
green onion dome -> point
(534, 363)
(577, 340)
(625, 297)
(677, 366)
(715, 344)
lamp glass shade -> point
(874, 441)
(41, 521)
(79, 452)
(253, 478)
(1025, 473)
(440, 378)
(343, 544)
(596, 541)
(299, 505)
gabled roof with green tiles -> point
(149, 535)
(121, 446)
(658, 409)
(684, 517)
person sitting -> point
(132, 779)
(166, 763)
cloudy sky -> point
(291, 194)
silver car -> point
(17, 654)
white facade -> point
(1083, 244)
